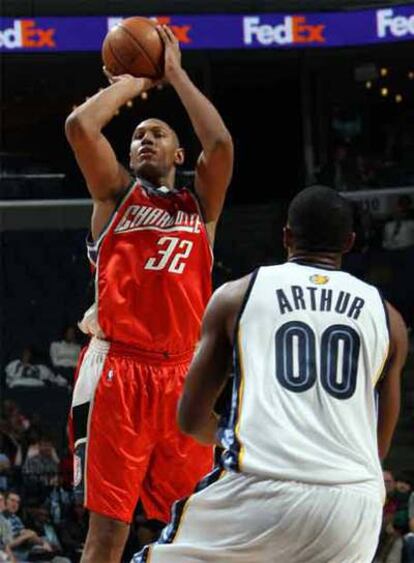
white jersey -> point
(311, 344)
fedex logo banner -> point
(26, 34)
(291, 30)
(392, 25)
(219, 31)
(51, 34)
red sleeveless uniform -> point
(152, 280)
(153, 277)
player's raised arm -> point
(210, 367)
(215, 163)
(104, 175)
(389, 388)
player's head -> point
(319, 221)
(155, 150)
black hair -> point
(320, 220)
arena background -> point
(298, 116)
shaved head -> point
(153, 122)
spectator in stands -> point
(22, 372)
(64, 354)
(42, 468)
(411, 513)
(23, 539)
(17, 422)
(408, 551)
(6, 554)
(12, 429)
(401, 496)
(60, 498)
(45, 529)
(390, 506)
(4, 465)
(30, 445)
(399, 231)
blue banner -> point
(249, 31)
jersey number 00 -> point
(296, 353)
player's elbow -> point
(73, 126)
(223, 142)
(185, 423)
(187, 418)
(383, 449)
(76, 127)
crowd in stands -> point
(396, 543)
(26, 371)
(40, 519)
(37, 509)
(349, 169)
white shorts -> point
(241, 518)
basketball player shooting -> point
(316, 351)
(151, 248)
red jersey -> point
(153, 271)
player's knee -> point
(106, 537)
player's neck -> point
(331, 260)
(159, 181)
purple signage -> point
(250, 31)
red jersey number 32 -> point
(171, 256)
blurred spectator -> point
(399, 231)
(401, 495)
(64, 354)
(6, 554)
(23, 373)
(41, 468)
(343, 172)
(408, 552)
(60, 499)
(12, 430)
(31, 445)
(23, 539)
(42, 525)
(17, 423)
(411, 512)
(4, 465)
(390, 506)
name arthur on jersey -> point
(143, 217)
(317, 299)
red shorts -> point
(127, 443)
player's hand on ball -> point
(142, 84)
(172, 55)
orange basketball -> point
(134, 47)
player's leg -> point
(112, 448)
(105, 541)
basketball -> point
(134, 47)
